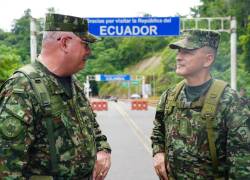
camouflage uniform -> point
(24, 142)
(245, 100)
(182, 134)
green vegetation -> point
(15, 46)
(148, 56)
(9, 61)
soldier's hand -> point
(102, 165)
(159, 165)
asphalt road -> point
(128, 133)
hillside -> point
(152, 68)
(146, 66)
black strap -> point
(43, 98)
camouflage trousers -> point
(59, 178)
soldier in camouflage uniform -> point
(180, 137)
(47, 127)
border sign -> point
(134, 26)
(110, 77)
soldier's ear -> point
(64, 42)
(209, 60)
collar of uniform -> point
(57, 88)
(193, 93)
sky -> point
(14, 9)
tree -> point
(21, 32)
(245, 43)
(9, 61)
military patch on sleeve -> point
(10, 127)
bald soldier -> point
(201, 127)
(47, 127)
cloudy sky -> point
(14, 9)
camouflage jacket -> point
(182, 136)
(246, 101)
(23, 134)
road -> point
(128, 133)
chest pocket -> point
(184, 124)
(87, 116)
(57, 107)
(73, 131)
(85, 119)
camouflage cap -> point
(77, 25)
(194, 39)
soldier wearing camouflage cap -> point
(47, 127)
(201, 127)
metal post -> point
(33, 41)
(196, 23)
(209, 24)
(143, 87)
(154, 84)
(137, 78)
(86, 87)
(128, 89)
(233, 37)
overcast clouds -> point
(14, 9)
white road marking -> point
(138, 132)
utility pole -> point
(198, 23)
(143, 87)
(33, 40)
(129, 92)
(87, 88)
(233, 38)
(154, 84)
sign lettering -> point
(146, 26)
